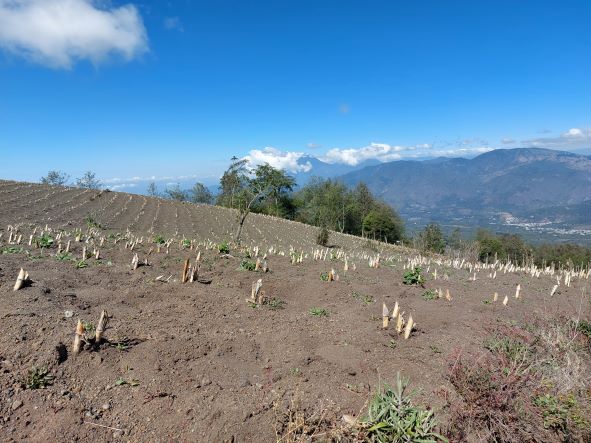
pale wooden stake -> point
(385, 316)
(78, 337)
(399, 322)
(409, 326)
(20, 280)
(100, 327)
(185, 275)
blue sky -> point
(168, 89)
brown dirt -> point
(210, 366)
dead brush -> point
(507, 393)
(296, 424)
(566, 357)
(491, 401)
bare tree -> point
(55, 178)
(88, 181)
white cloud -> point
(57, 33)
(173, 23)
(151, 178)
(574, 138)
(122, 186)
(279, 159)
(375, 151)
(507, 141)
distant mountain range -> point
(519, 187)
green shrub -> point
(322, 236)
(45, 241)
(159, 240)
(430, 294)
(247, 265)
(414, 277)
(224, 247)
(391, 417)
(38, 378)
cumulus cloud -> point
(574, 138)
(279, 159)
(375, 151)
(57, 33)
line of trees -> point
(60, 178)
(486, 246)
(327, 204)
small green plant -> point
(414, 277)
(89, 328)
(430, 294)
(224, 247)
(81, 264)
(63, 256)
(121, 347)
(186, 243)
(367, 299)
(131, 382)
(45, 241)
(247, 265)
(159, 239)
(560, 413)
(275, 303)
(297, 372)
(391, 417)
(38, 378)
(318, 312)
(91, 222)
(435, 349)
(12, 250)
(324, 276)
(322, 236)
(512, 348)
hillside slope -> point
(517, 181)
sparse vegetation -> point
(91, 222)
(367, 299)
(430, 294)
(275, 303)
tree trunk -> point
(241, 220)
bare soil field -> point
(196, 361)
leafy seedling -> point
(318, 312)
(38, 378)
